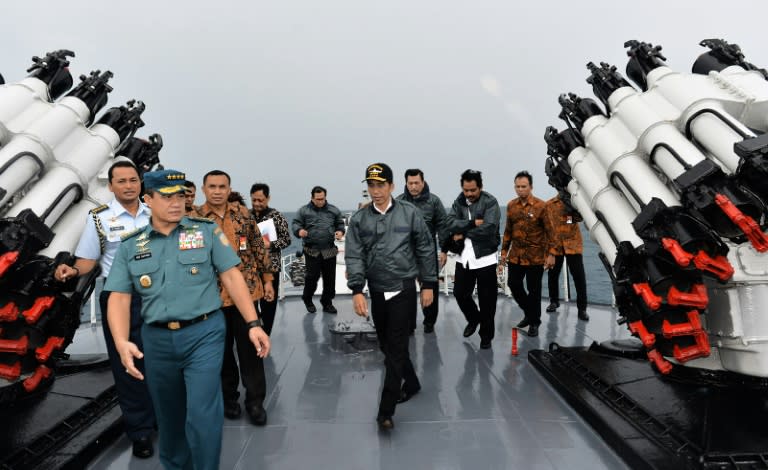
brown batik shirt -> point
(526, 240)
(283, 235)
(240, 228)
(565, 235)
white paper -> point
(268, 230)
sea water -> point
(599, 289)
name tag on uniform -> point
(141, 256)
(114, 231)
(243, 244)
(191, 239)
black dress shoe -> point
(406, 395)
(310, 307)
(583, 315)
(470, 329)
(142, 447)
(552, 306)
(257, 415)
(533, 331)
(385, 422)
(485, 344)
(428, 328)
(232, 410)
(329, 309)
(523, 323)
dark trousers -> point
(251, 365)
(183, 368)
(132, 394)
(487, 291)
(267, 309)
(392, 321)
(316, 266)
(430, 313)
(529, 302)
(576, 268)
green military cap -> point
(165, 181)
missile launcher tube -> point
(603, 198)
(672, 188)
(53, 171)
(36, 145)
(615, 148)
(75, 169)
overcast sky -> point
(306, 92)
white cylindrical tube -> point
(37, 143)
(17, 99)
(67, 180)
(69, 227)
(605, 201)
(717, 131)
(614, 146)
(597, 230)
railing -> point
(446, 276)
(285, 276)
(449, 269)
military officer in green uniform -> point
(174, 264)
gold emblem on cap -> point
(374, 172)
(145, 280)
(194, 270)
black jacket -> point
(390, 250)
(485, 238)
(432, 209)
(321, 222)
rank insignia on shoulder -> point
(130, 234)
(100, 208)
(201, 219)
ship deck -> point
(477, 408)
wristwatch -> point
(255, 323)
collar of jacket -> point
(463, 200)
(314, 207)
(391, 208)
(267, 210)
(423, 195)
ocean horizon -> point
(599, 287)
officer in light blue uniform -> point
(98, 244)
(173, 265)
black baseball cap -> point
(378, 172)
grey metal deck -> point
(477, 408)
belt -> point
(179, 324)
